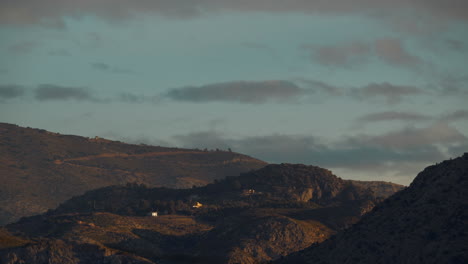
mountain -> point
(40, 169)
(279, 185)
(425, 223)
(380, 188)
(255, 217)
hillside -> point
(283, 185)
(257, 216)
(425, 223)
(41, 169)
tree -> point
(144, 205)
(236, 185)
(172, 207)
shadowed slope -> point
(425, 223)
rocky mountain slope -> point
(40, 169)
(425, 223)
(255, 217)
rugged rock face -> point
(425, 223)
(40, 169)
(252, 239)
(302, 183)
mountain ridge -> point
(39, 169)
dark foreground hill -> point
(255, 217)
(40, 169)
(425, 223)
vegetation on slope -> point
(40, 169)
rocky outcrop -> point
(253, 239)
(425, 223)
(302, 183)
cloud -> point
(389, 50)
(204, 139)
(392, 51)
(281, 91)
(455, 116)
(110, 69)
(404, 151)
(341, 55)
(456, 150)
(451, 85)
(252, 92)
(52, 12)
(412, 117)
(393, 116)
(439, 132)
(100, 66)
(131, 98)
(10, 91)
(23, 47)
(321, 87)
(391, 93)
(456, 45)
(48, 92)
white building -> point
(154, 214)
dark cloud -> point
(437, 133)
(456, 150)
(110, 69)
(389, 92)
(46, 92)
(392, 51)
(9, 91)
(131, 98)
(321, 87)
(393, 116)
(456, 45)
(287, 92)
(389, 50)
(23, 47)
(455, 116)
(361, 152)
(341, 55)
(451, 85)
(52, 11)
(100, 66)
(241, 92)
(204, 139)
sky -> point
(371, 89)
